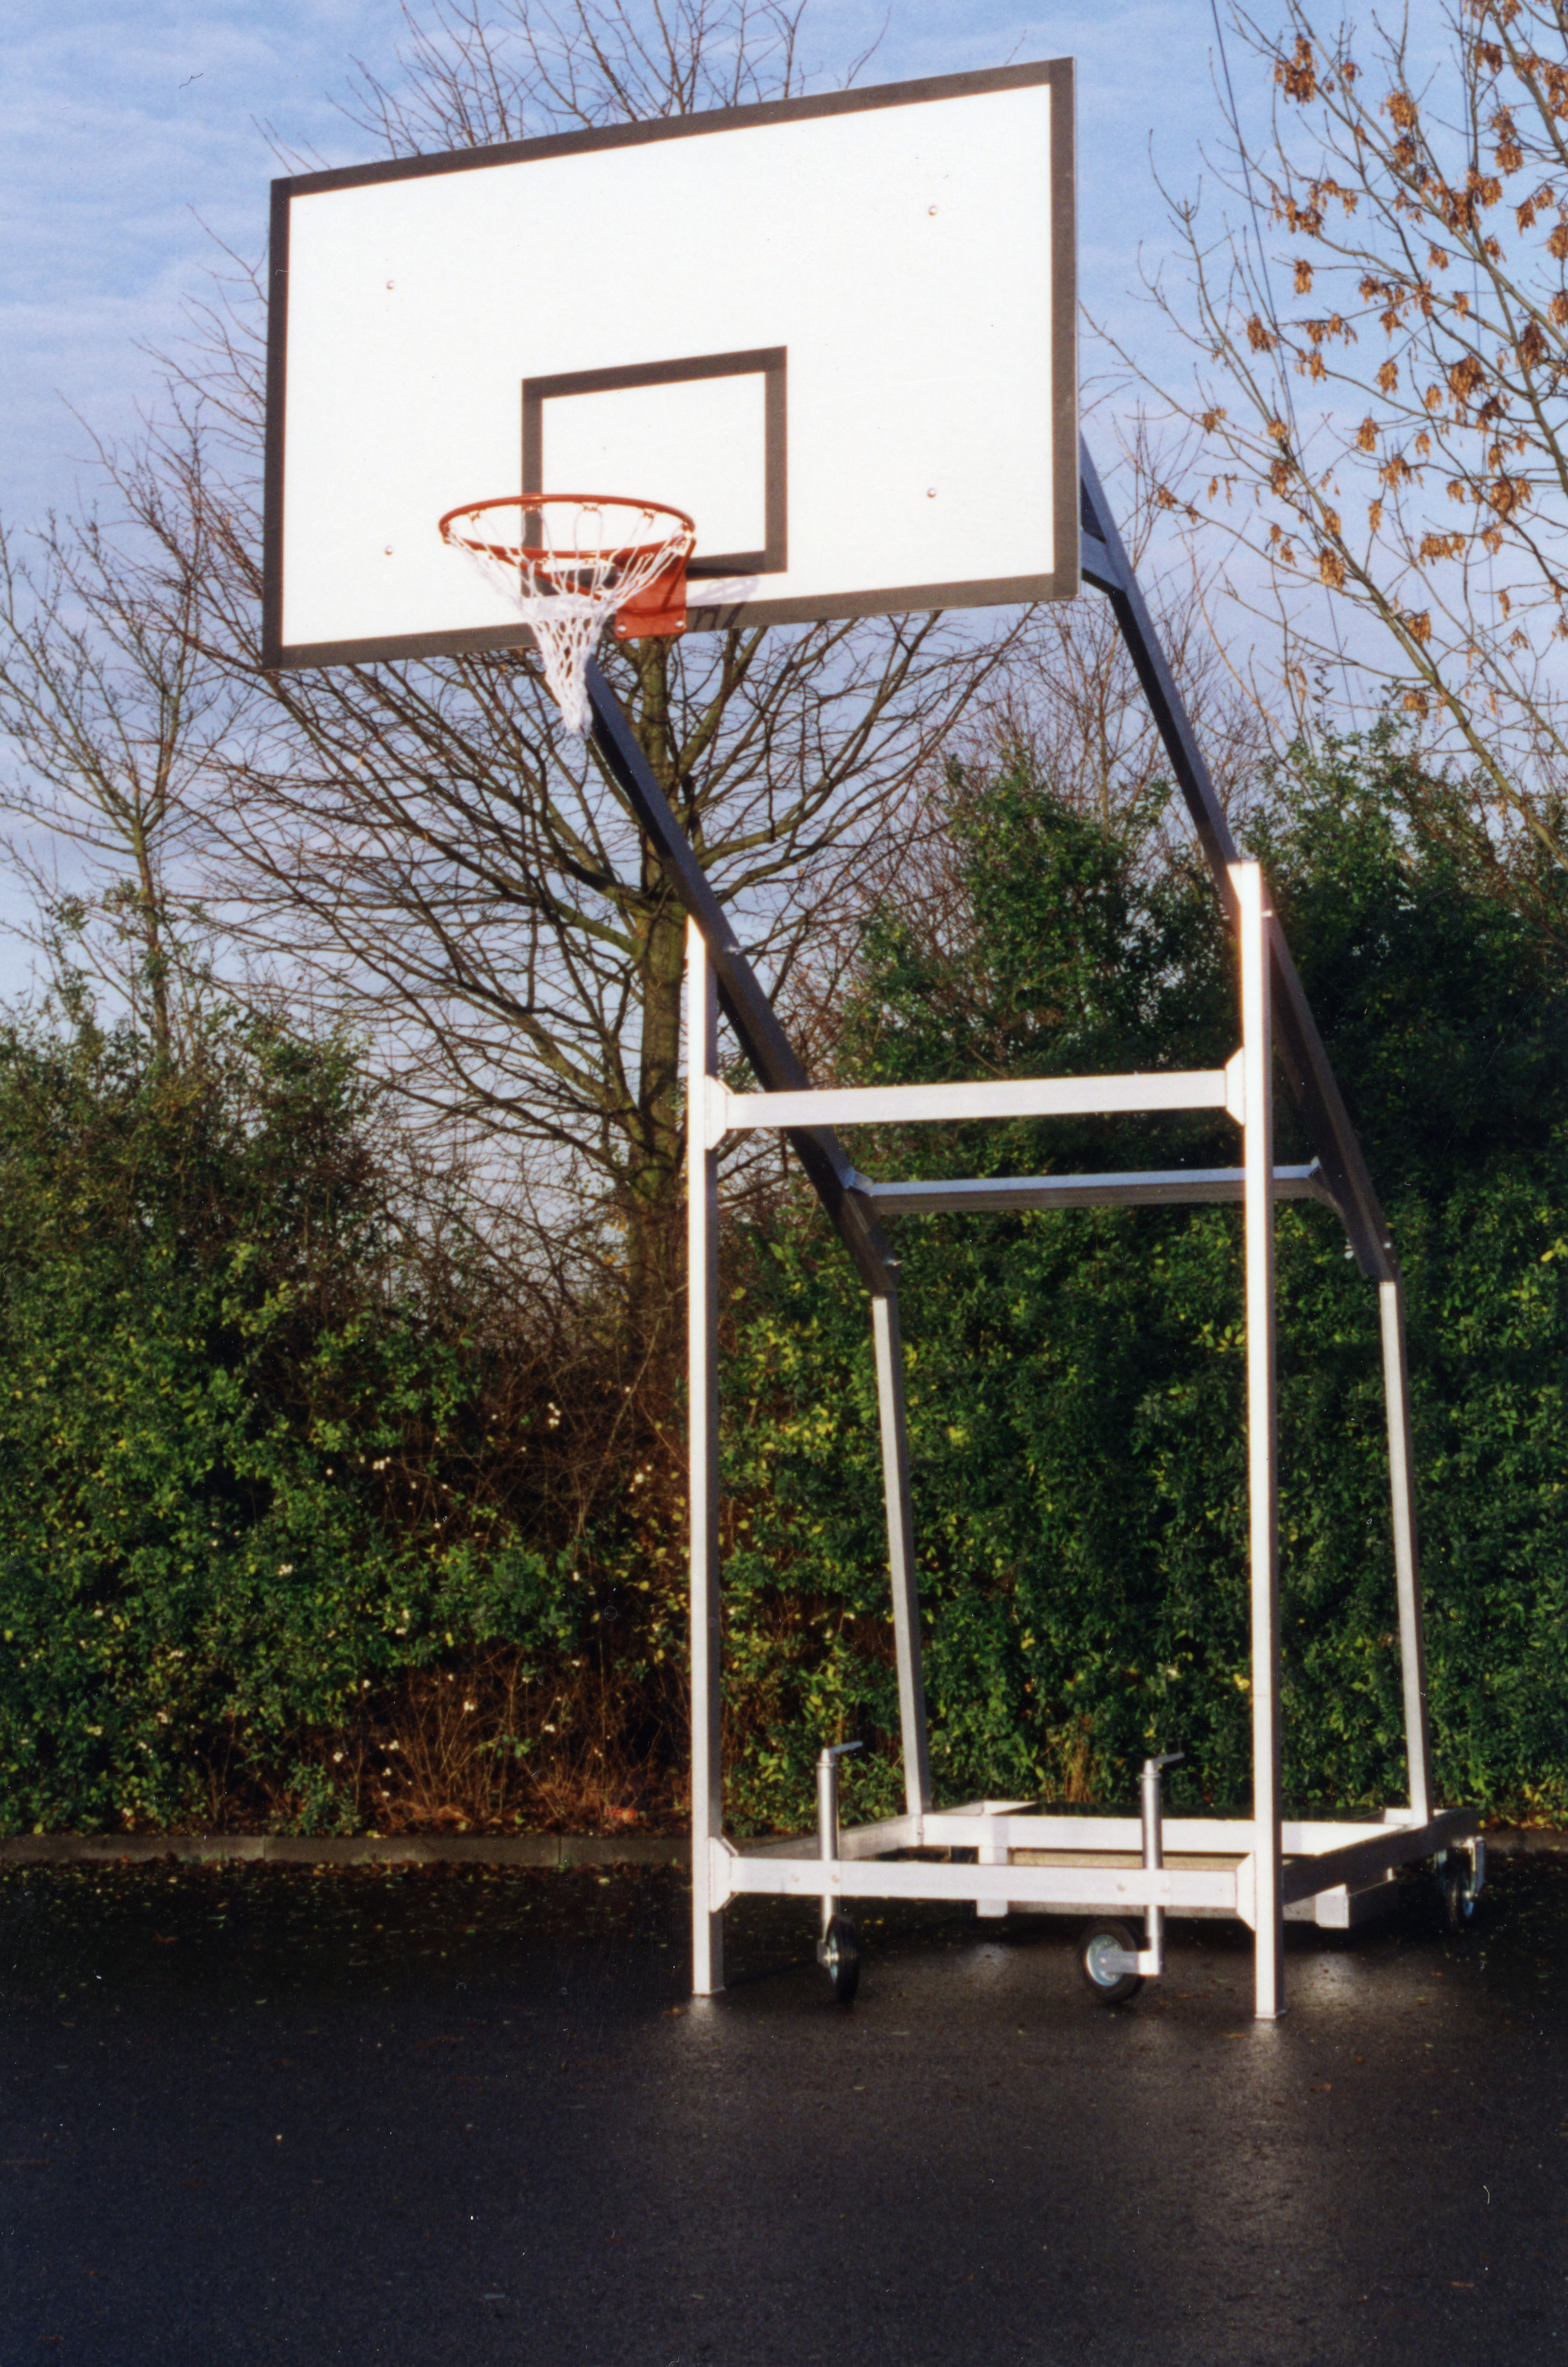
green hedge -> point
(236, 1452)
(1075, 1380)
(264, 1469)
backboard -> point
(839, 332)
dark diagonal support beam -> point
(748, 1009)
(1305, 1061)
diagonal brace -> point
(747, 1007)
(1302, 1052)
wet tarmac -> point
(264, 2115)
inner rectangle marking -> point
(706, 433)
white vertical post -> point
(889, 1347)
(702, 1400)
(1257, 1060)
(1402, 1488)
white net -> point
(567, 563)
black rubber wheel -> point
(1457, 1884)
(1110, 1988)
(838, 1953)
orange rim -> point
(544, 555)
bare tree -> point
(112, 715)
(468, 888)
(1065, 707)
(483, 904)
(474, 75)
(1067, 696)
(1381, 326)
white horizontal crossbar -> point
(1009, 1097)
(977, 1828)
(1009, 1824)
(1128, 1887)
(1321, 1857)
(1155, 1188)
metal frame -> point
(1262, 1869)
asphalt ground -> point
(259, 2114)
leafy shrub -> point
(1075, 1380)
(303, 1524)
(240, 1462)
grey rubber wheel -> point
(1095, 1943)
(838, 1953)
(1456, 1882)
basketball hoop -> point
(569, 561)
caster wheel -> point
(1456, 1882)
(1098, 1941)
(838, 1953)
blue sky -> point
(134, 133)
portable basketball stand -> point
(845, 460)
(1261, 1869)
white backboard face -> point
(839, 332)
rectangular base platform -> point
(1017, 1860)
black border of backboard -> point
(1061, 584)
(770, 363)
